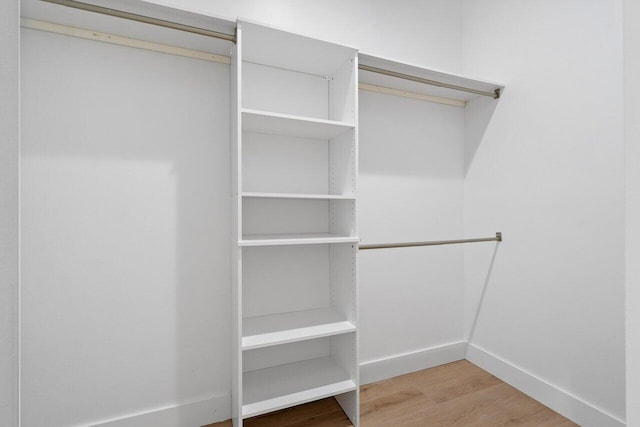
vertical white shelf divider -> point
(236, 230)
(297, 298)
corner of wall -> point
(9, 208)
(584, 413)
(631, 41)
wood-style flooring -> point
(456, 394)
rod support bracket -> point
(498, 236)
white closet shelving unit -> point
(294, 169)
(294, 191)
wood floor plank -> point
(388, 402)
(457, 394)
(321, 413)
(439, 384)
(543, 418)
(492, 406)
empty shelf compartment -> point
(295, 52)
(279, 387)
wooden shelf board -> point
(289, 125)
(298, 196)
(264, 331)
(294, 239)
(280, 387)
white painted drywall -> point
(533, 175)
(9, 146)
(410, 188)
(632, 143)
(424, 32)
(125, 228)
(547, 169)
(132, 318)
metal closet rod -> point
(498, 238)
(145, 19)
(495, 94)
(232, 38)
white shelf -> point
(294, 239)
(279, 387)
(264, 331)
(298, 196)
(426, 73)
(289, 125)
(281, 49)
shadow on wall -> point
(126, 216)
(434, 129)
(410, 189)
(478, 114)
(409, 138)
(483, 293)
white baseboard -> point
(207, 411)
(405, 363)
(189, 414)
(561, 401)
(214, 409)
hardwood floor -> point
(457, 394)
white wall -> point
(125, 228)
(549, 147)
(424, 32)
(9, 123)
(410, 188)
(632, 140)
(548, 171)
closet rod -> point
(498, 238)
(232, 38)
(144, 19)
(495, 94)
